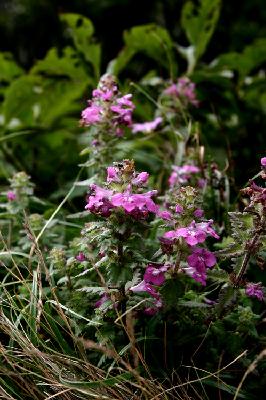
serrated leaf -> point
(92, 289)
(151, 40)
(68, 65)
(81, 31)
(199, 23)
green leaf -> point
(199, 23)
(153, 41)
(68, 65)
(81, 31)
(251, 57)
(8, 68)
(33, 100)
(227, 299)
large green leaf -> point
(68, 65)
(81, 31)
(20, 98)
(252, 57)
(151, 40)
(34, 100)
(8, 68)
(199, 23)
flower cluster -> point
(182, 174)
(122, 192)
(190, 231)
(108, 108)
(153, 276)
(200, 258)
(184, 90)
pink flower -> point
(99, 201)
(206, 227)
(155, 275)
(145, 287)
(108, 109)
(182, 175)
(198, 213)
(201, 258)
(154, 308)
(11, 195)
(112, 175)
(184, 89)
(130, 202)
(198, 261)
(179, 209)
(166, 215)
(124, 108)
(147, 127)
(81, 257)
(91, 115)
(263, 161)
(171, 90)
(194, 233)
(140, 179)
(255, 290)
(202, 183)
(104, 95)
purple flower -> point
(124, 108)
(99, 201)
(194, 233)
(201, 258)
(145, 287)
(179, 209)
(166, 215)
(102, 300)
(155, 275)
(263, 161)
(198, 213)
(154, 308)
(182, 175)
(255, 290)
(81, 257)
(140, 179)
(198, 261)
(184, 89)
(202, 183)
(11, 195)
(196, 274)
(112, 175)
(171, 90)
(206, 227)
(130, 202)
(147, 127)
(91, 115)
(104, 95)
(108, 109)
